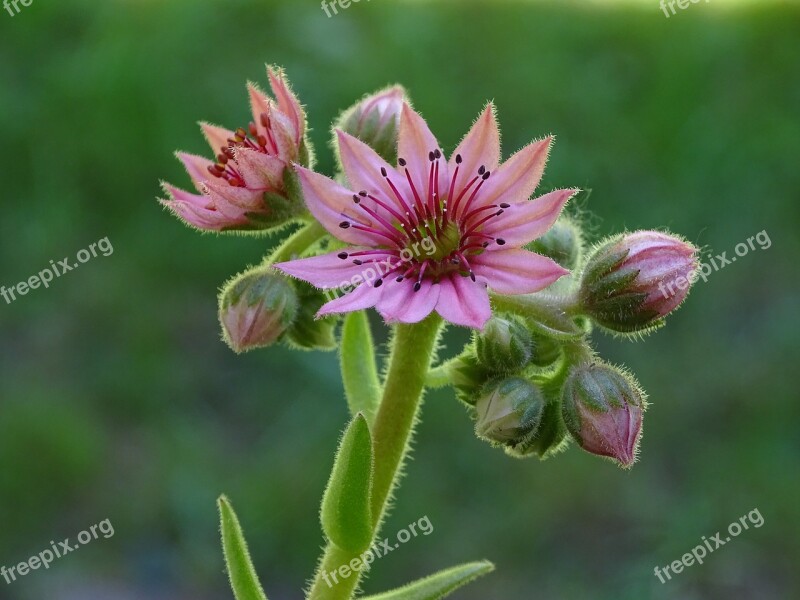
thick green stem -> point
(412, 351)
(297, 243)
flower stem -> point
(297, 243)
(412, 350)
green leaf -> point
(244, 579)
(359, 372)
(438, 585)
(346, 515)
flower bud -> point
(509, 412)
(634, 280)
(504, 345)
(374, 120)
(563, 242)
(545, 350)
(602, 409)
(307, 332)
(255, 309)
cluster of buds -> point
(532, 393)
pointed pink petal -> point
(525, 221)
(197, 167)
(288, 103)
(364, 296)
(463, 302)
(260, 170)
(330, 203)
(285, 135)
(259, 102)
(233, 201)
(415, 141)
(326, 271)
(517, 178)
(362, 166)
(400, 303)
(516, 271)
(480, 147)
(217, 137)
(195, 210)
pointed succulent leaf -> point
(346, 515)
(439, 585)
(241, 571)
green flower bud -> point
(545, 350)
(551, 437)
(563, 242)
(307, 332)
(375, 120)
(509, 412)
(255, 309)
(602, 408)
(504, 345)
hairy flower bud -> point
(563, 242)
(509, 412)
(633, 280)
(602, 408)
(374, 120)
(504, 345)
(255, 309)
(307, 332)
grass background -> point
(118, 400)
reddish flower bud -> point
(602, 409)
(633, 280)
(255, 309)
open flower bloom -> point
(249, 163)
(431, 234)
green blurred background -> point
(118, 400)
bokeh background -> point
(118, 400)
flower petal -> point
(288, 103)
(196, 210)
(480, 147)
(364, 169)
(326, 271)
(259, 102)
(217, 137)
(463, 301)
(331, 204)
(517, 178)
(516, 271)
(233, 201)
(364, 296)
(414, 143)
(400, 303)
(197, 167)
(527, 220)
(260, 170)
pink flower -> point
(249, 165)
(431, 234)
